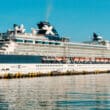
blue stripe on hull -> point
(20, 59)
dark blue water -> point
(83, 92)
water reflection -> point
(83, 92)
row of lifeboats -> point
(102, 59)
(76, 59)
(81, 59)
(55, 58)
(87, 59)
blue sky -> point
(76, 19)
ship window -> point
(41, 42)
(38, 42)
(28, 41)
(57, 43)
(51, 43)
(18, 40)
(45, 42)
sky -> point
(76, 19)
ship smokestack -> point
(45, 28)
(97, 37)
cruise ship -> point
(44, 50)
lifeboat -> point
(102, 59)
(97, 59)
(106, 59)
(64, 58)
(81, 59)
(109, 60)
(76, 59)
(58, 58)
(87, 59)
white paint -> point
(48, 29)
(10, 47)
(45, 68)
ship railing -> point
(25, 34)
(82, 44)
(29, 35)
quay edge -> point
(41, 70)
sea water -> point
(79, 92)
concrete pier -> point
(38, 70)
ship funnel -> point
(47, 29)
(96, 37)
